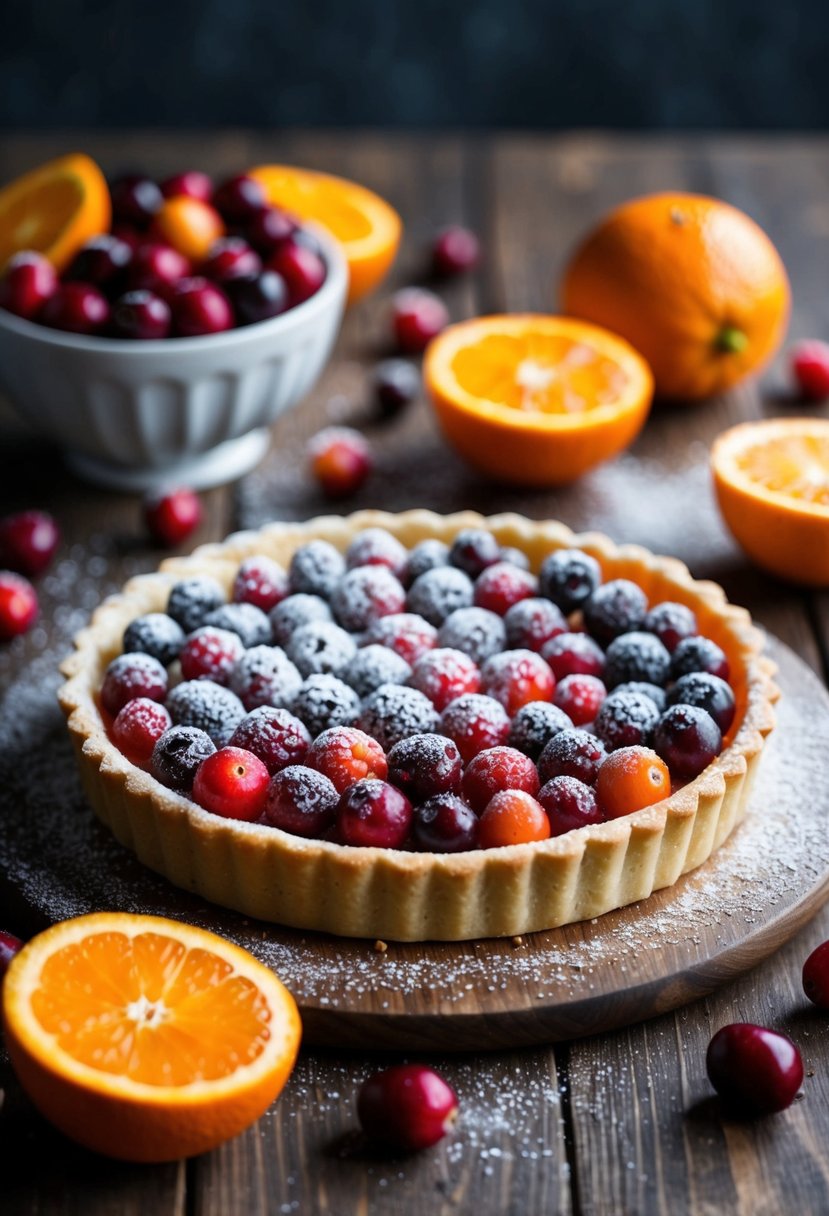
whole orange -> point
(692, 283)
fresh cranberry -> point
(365, 593)
(417, 317)
(276, 736)
(29, 281)
(707, 692)
(754, 1070)
(375, 814)
(395, 383)
(141, 316)
(199, 307)
(340, 460)
(445, 824)
(614, 608)
(406, 633)
(232, 783)
(135, 199)
(572, 753)
(394, 712)
(699, 654)
(156, 268)
(258, 297)
(239, 199)
(502, 585)
(190, 184)
(178, 754)
(534, 726)
(473, 550)
(231, 258)
(260, 581)
(569, 577)
(475, 631)
(455, 250)
(569, 804)
(210, 654)
(18, 605)
(636, 656)
(129, 676)
(28, 541)
(497, 769)
(570, 654)
(810, 368)
(444, 674)
(816, 976)
(301, 268)
(346, 755)
(76, 308)
(407, 1106)
(515, 677)
(437, 593)
(532, 622)
(9, 947)
(172, 516)
(580, 697)
(101, 261)
(671, 623)
(269, 229)
(626, 720)
(512, 817)
(265, 676)
(301, 800)
(138, 727)
(425, 765)
(377, 547)
(475, 723)
(687, 738)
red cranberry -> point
(417, 317)
(347, 755)
(232, 783)
(475, 723)
(156, 268)
(239, 198)
(569, 804)
(572, 753)
(101, 261)
(199, 308)
(28, 541)
(340, 460)
(816, 976)
(408, 1106)
(515, 677)
(424, 765)
(129, 676)
(137, 728)
(172, 515)
(810, 368)
(455, 250)
(671, 623)
(135, 199)
(276, 736)
(365, 593)
(580, 697)
(627, 719)
(141, 316)
(29, 281)
(18, 605)
(687, 738)
(755, 1071)
(497, 769)
(210, 654)
(395, 383)
(76, 308)
(377, 547)
(269, 229)
(444, 674)
(260, 581)
(301, 268)
(301, 800)
(573, 654)
(406, 633)
(258, 297)
(532, 622)
(707, 692)
(231, 258)
(445, 824)
(9, 947)
(191, 184)
(374, 813)
(502, 585)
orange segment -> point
(772, 484)
(365, 225)
(54, 209)
(144, 1038)
(536, 400)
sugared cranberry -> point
(347, 755)
(406, 633)
(366, 593)
(699, 654)
(569, 804)
(208, 706)
(438, 593)
(417, 317)
(135, 199)
(76, 308)
(177, 755)
(156, 634)
(497, 769)
(636, 656)
(210, 654)
(572, 753)
(172, 516)
(246, 620)
(260, 581)
(671, 623)
(199, 307)
(626, 720)
(707, 692)
(475, 723)
(569, 577)
(473, 550)
(407, 1106)
(754, 1070)
(257, 297)
(534, 726)
(425, 765)
(394, 712)
(809, 361)
(340, 460)
(515, 677)
(315, 569)
(232, 783)
(426, 555)
(9, 947)
(502, 585)
(455, 250)
(29, 281)
(395, 383)
(264, 675)
(614, 608)
(276, 736)
(374, 665)
(687, 738)
(445, 824)
(324, 701)
(642, 688)
(512, 817)
(129, 676)
(156, 268)
(570, 654)
(301, 268)
(816, 976)
(515, 557)
(138, 727)
(269, 229)
(580, 697)
(231, 258)
(239, 199)
(191, 600)
(321, 648)
(28, 541)
(476, 631)
(532, 622)
(102, 261)
(375, 814)
(301, 800)
(294, 612)
(191, 184)
(376, 547)
(444, 674)
(142, 316)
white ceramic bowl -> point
(137, 415)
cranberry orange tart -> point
(419, 727)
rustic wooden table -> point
(621, 1123)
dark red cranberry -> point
(534, 726)
(417, 317)
(191, 600)
(264, 675)
(138, 727)
(375, 814)
(406, 633)
(532, 622)
(444, 674)
(569, 804)
(102, 261)
(199, 307)
(407, 1106)
(18, 605)
(9, 947)
(438, 593)
(366, 593)
(475, 723)
(580, 697)
(157, 634)
(347, 755)
(502, 585)
(687, 738)
(29, 281)
(177, 755)
(340, 459)
(129, 676)
(425, 765)
(232, 783)
(515, 677)
(321, 648)
(614, 608)
(455, 250)
(642, 688)
(626, 720)
(28, 541)
(473, 550)
(699, 654)
(142, 316)
(173, 515)
(377, 547)
(315, 569)
(260, 581)
(231, 258)
(135, 199)
(301, 268)
(497, 769)
(572, 753)
(191, 184)
(276, 736)
(239, 199)
(671, 623)
(207, 705)
(636, 656)
(374, 665)
(76, 308)
(476, 631)
(324, 701)
(394, 712)
(210, 654)
(301, 800)
(294, 612)
(269, 229)
(395, 383)
(754, 1070)
(707, 692)
(570, 654)
(258, 297)
(445, 824)
(569, 577)
(816, 976)
(156, 268)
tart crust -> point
(405, 896)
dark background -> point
(423, 63)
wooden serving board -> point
(750, 897)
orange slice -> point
(772, 484)
(365, 225)
(54, 209)
(536, 400)
(144, 1038)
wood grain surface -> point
(622, 1122)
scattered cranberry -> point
(375, 814)
(301, 268)
(810, 368)
(408, 1106)
(474, 550)
(231, 258)
(178, 754)
(142, 316)
(515, 677)
(199, 307)
(580, 697)
(455, 250)
(687, 738)
(301, 800)
(18, 605)
(417, 317)
(572, 753)
(532, 622)
(135, 199)
(29, 281)
(671, 623)
(445, 824)
(502, 585)
(395, 383)
(9, 947)
(475, 723)
(210, 654)
(76, 308)
(156, 268)
(707, 692)
(497, 769)
(276, 736)
(425, 765)
(137, 728)
(816, 976)
(129, 676)
(232, 783)
(755, 1071)
(699, 654)
(101, 261)
(28, 541)
(570, 654)
(239, 199)
(269, 229)
(444, 674)
(191, 184)
(346, 755)
(340, 460)
(406, 633)
(172, 516)
(260, 581)
(569, 804)
(614, 608)
(569, 577)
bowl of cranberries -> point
(168, 345)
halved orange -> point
(54, 210)
(365, 225)
(772, 484)
(536, 400)
(144, 1038)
